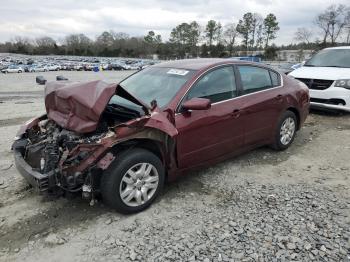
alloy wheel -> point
(287, 130)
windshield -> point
(331, 58)
(156, 83)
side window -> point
(254, 79)
(275, 78)
(217, 85)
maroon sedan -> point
(123, 141)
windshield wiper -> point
(336, 66)
(328, 66)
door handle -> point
(279, 98)
(236, 113)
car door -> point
(215, 132)
(263, 100)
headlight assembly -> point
(345, 83)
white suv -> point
(327, 74)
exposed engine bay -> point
(51, 149)
(47, 142)
(84, 128)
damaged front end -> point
(67, 149)
(51, 157)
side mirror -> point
(197, 104)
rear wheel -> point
(133, 181)
(286, 131)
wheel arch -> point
(297, 114)
(154, 146)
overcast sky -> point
(34, 18)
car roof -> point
(198, 63)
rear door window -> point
(256, 79)
(275, 78)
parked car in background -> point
(155, 125)
(285, 68)
(68, 67)
(78, 67)
(116, 66)
(13, 69)
(247, 58)
(105, 66)
(327, 74)
(37, 68)
(53, 67)
(298, 65)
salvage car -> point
(123, 141)
(327, 74)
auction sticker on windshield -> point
(179, 72)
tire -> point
(285, 131)
(19, 71)
(117, 180)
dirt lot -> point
(261, 206)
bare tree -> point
(303, 35)
(45, 45)
(230, 35)
(78, 44)
(347, 34)
(256, 26)
(22, 45)
(332, 21)
(259, 37)
(347, 26)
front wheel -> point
(286, 131)
(133, 181)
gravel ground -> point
(261, 206)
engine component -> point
(86, 191)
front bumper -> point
(329, 106)
(40, 182)
(334, 98)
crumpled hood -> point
(78, 106)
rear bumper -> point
(40, 182)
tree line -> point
(251, 33)
(186, 40)
(333, 24)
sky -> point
(36, 18)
